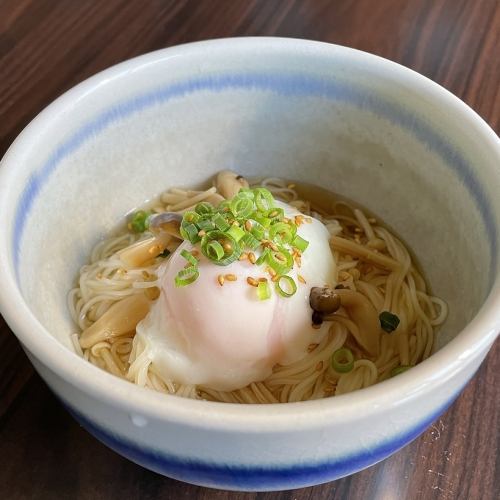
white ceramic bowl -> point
(358, 124)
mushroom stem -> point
(364, 314)
(228, 183)
(137, 254)
(352, 248)
(122, 317)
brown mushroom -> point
(166, 222)
(228, 183)
(324, 300)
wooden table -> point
(47, 46)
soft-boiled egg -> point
(223, 336)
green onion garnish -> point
(139, 221)
(281, 260)
(343, 360)
(189, 232)
(250, 241)
(220, 222)
(285, 232)
(236, 232)
(300, 243)
(263, 199)
(221, 248)
(388, 321)
(187, 276)
(399, 369)
(263, 290)
(248, 222)
(241, 206)
(190, 258)
(290, 284)
(204, 208)
(263, 257)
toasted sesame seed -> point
(291, 186)
(280, 257)
(252, 281)
(220, 279)
(319, 366)
(271, 271)
(274, 213)
(235, 223)
(243, 256)
(227, 247)
(201, 232)
(273, 246)
(311, 347)
(248, 225)
(301, 279)
(252, 258)
(309, 220)
(263, 280)
(358, 230)
(275, 278)
(230, 277)
(195, 253)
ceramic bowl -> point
(360, 125)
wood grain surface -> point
(47, 46)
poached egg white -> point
(224, 337)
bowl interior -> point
(362, 127)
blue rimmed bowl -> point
(352, 122)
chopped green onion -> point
(300, 243)
(241, 206)
(343, 360)
(236, 232)
(204, 208)
(214, 250)
(205, 224)
(281, 260)
(191, 216)
(250, 241)
(290, 284)
(263, 257)
(263, 290)
(221, 223)
(286, 232)
(220, 248)
(399, 369)
(189, 232)
(388, 321)
(263, 199)
(247, 193)
(258, 230)
(139, 222)
(190, 258)
(265, 221)
(276, 213)
(187, 276)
